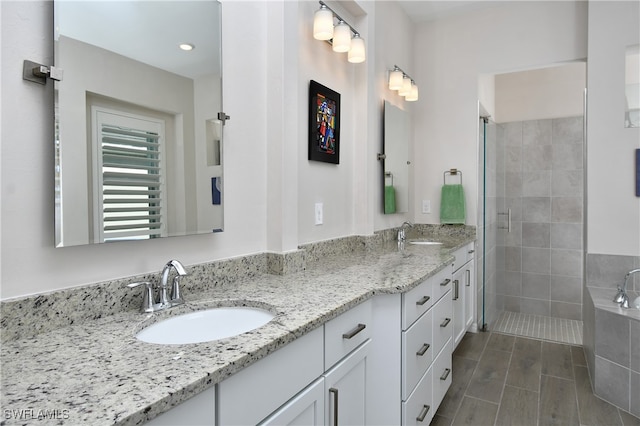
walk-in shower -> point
(531, 227)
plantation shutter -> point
(131, 177)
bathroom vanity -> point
(364, 338)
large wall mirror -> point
(138, 140)
(396, 159)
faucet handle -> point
(147, 296)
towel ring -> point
(389, 174)
(452, 172)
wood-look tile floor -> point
(500, 379)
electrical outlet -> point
(318, 215)
(426, 206)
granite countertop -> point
(98, 373)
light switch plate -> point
(426, 206)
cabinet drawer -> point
(442, 372)
(418, 300)
(463, 255)
(346, 332)
(419, 409)
(442, 283)
(417, 352)
(442, 323)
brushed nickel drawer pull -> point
(468, 277)
(353, 332)
(334, 392)
(445, 374)
(445, 322)
(423, 350)
(471, 251)
(445, 282)
(456, 289)
(422, 301)
(423, 413)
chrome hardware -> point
(353, 332)
(468, 284)
(401, 231)
(381, 157)
(508, 214)
(423, 300)
(621, 297)
(423, 350)
(456, 289)
(149, 303)
(147, 296)
(445, 282)
(223, 117)
(445, 322)
(471, 251)
(38, 73)
(334, 392)
(446, 373)
(423, 413)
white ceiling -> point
(426, 10)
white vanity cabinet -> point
(312, 381)
(463, 293)
(425, 349)
(196, 411)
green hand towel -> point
(452, 208)
(389, 199)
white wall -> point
(613, 210)
(452, 54)
(550, 92)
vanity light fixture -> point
(187, 46)
(403, 83)
(342, 36)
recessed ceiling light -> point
(187, 46)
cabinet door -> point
(305, 409)
(469, 293)
(458, 298)
(345, 390)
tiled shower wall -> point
(539, 267)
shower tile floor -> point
(539, 327)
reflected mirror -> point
(396, 159)
(138, 140)
(632, 86)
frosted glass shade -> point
(323, 24)
(357, 51)
(406, 87)
(395, 80)
(413, 93)
(341, 37)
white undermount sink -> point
(425, 243)
(205, 326)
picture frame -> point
(324, 124)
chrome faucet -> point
(163, 301)
(176, 297)
(622, 298)
(401, 231)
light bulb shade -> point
(341, 37)
(323, 24)
(413, 93)
(357, 52)
(395, 80)
(406, 87)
